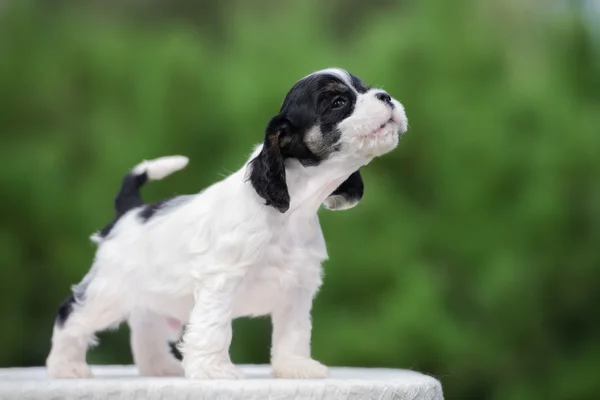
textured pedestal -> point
(123, 383)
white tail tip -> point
(161, 167)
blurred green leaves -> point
(474, 254)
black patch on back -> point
(150, 209)
(106, 230)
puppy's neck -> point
(309, 186)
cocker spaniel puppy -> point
(248, 245)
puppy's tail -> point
(129, 196)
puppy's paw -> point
(68, 370)
(167, 367)
(299, 368)
(220, 371)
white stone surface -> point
(123, 383)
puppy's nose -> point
(383, 96)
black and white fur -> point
(248, 245)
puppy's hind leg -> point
(150, 337)
(88, 310)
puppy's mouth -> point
(389, 121)
(383, 129)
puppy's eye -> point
(338, 102)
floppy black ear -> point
(267, 174)
(347, 195)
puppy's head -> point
(330, 116)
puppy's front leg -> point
(207, 338)
(290, 352)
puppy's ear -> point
(347, 195)
(267, 174)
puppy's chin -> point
(378, 142)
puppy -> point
(248, 245)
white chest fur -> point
(290, 259)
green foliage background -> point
(474, 254)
